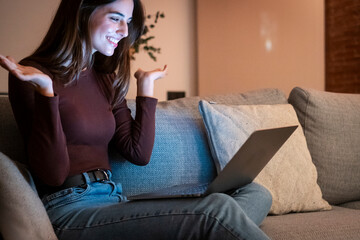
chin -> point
(108, 53)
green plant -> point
(143, 41)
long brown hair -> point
(64, 53)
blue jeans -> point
(100, 211)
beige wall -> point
(176, 36)
(23, 24)
(251, 44)
(234, 38)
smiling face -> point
(109, 24)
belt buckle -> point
(105, 174)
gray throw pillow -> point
(331, 123)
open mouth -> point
(113, 41)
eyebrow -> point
(120, 14)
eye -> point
(115, 19)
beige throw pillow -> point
(290, 175)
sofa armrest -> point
(23, 215)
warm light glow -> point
(268, 45)
(268, 30)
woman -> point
(68, 100)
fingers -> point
(152, 75)
(160, 73)
(8, 63)
(164, 69)
(2, 61)
(11, 59)
(12, 63)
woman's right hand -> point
(41, 81)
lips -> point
(113, 41)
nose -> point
(123, 29)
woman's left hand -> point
(146, 79)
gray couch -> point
(326, 144)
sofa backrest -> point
(11, 143)
(181, 153)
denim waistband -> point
(44, 190)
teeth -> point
(113, 40)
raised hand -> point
(41, 81)
(145, 80)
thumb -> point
(11, 59)
(138, 72)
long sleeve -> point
(69, 134)
(134, 138)
(39, 121)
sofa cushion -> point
(337, 224)
(290, 175)
(181, 153)
(331, 123)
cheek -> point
(105, 28)
(99, 26)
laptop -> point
(242, 169)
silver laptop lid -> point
(250, 159)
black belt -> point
(98, 175)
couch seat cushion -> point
(337, 224)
